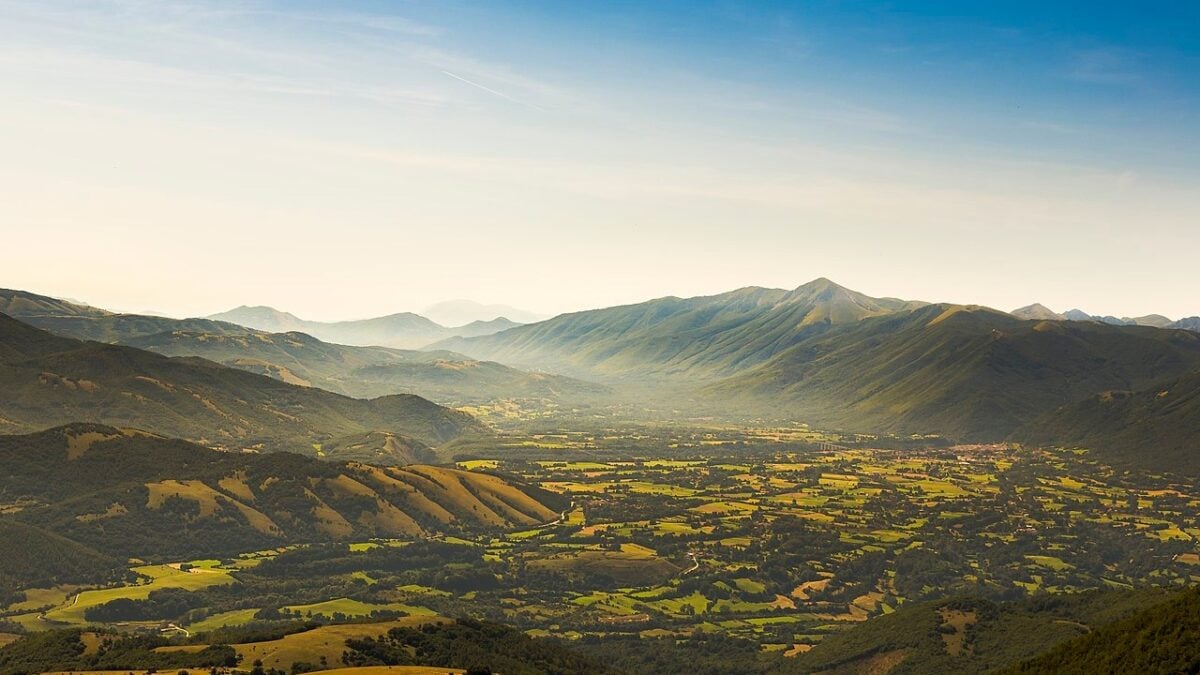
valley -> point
(784, 538)
(593, 338)
(757, 482)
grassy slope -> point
(52, 380)
(128, 493)
(326, 641)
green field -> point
(160, 577)
(349, 607)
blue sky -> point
(352, 159)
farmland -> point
(785, 548)
(715, 533)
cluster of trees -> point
(319, 572)
(479, 647)
(167, 603)
(700, 654)
(325, 560)
(63, 650)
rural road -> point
(561, 517)
(42, 616)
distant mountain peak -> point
(266, 309)
(1037, 312)
(1156, 320)
(402, 329)
(1191, 323)
(258, 311)
(822, 288)
(822, 283)
(462, 312)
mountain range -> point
(966, 372)
(50, 380)
(837, 358)
(820, 353)
(299, 358)
(462, 312)
(1041, 312)
(404, 330)
(701, 337)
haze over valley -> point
(529, 444)
(705, 338)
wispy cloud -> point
(496, 74)
(489, 90)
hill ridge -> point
(53, 379)
(191, 499)
(297, 357)
(399, 329)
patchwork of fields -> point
(784, 548)
(787, 548)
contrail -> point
(492, 91)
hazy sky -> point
(349, 159)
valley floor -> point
(711, 533)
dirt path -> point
(561, 517)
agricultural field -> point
(787, 548)
(783, 547)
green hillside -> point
(1164, 638)
(1158, 426)
(51, 380)
(43, 559)
(964, 372)
(700, 337)
(969, 635)
(128, 493)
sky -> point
(350, 159)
